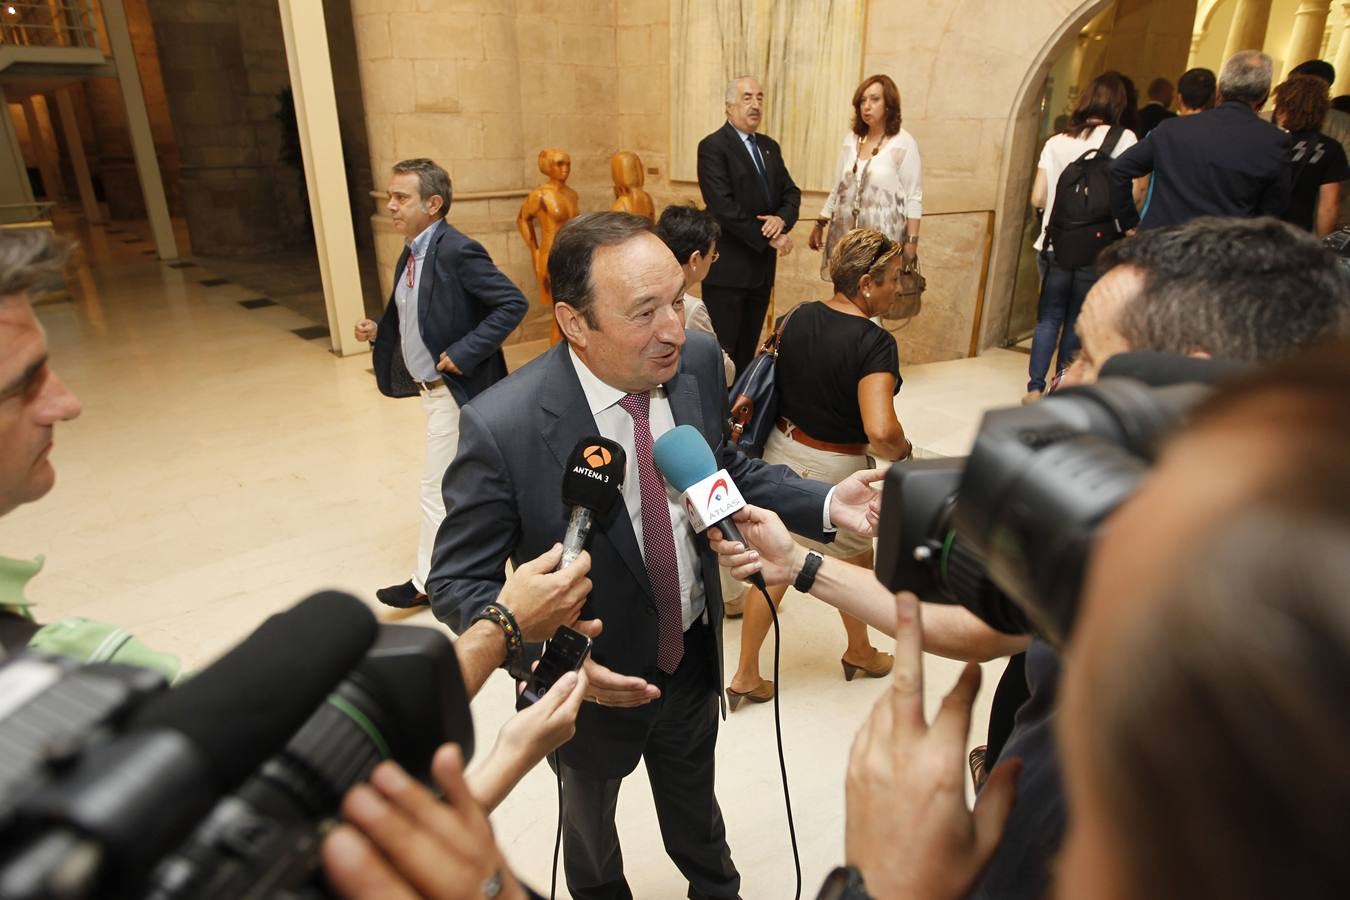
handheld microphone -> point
(710, 496)
(592, 485)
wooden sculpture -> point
(545, 210)
(629, 197)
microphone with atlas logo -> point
(592, 485)
(710, 496)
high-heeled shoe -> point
(761, 694)
(879, 667)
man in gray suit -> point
(627, 371)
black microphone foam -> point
(244, 707)
(594, 475)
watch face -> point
(844, 883)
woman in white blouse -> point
(878, 182)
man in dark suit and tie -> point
(747, 187)
(626, 371)
(440, 336)
(1227, 161)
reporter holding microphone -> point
(626, 372)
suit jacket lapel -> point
(682, 392)
(426, 279)
(767, 155)
(398, 273)
(563, 399)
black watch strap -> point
(844, 883)
(807, 576)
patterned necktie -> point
(759, 163)
(658, 540)
(411, 271)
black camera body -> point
(114, 785)
(1006, 531)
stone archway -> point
(1021, 143)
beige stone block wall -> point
(593, 77)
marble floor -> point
(224, 467)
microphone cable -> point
(557, 839)
(778, 736)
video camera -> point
(1006, 532)
(112, 785)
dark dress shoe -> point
(402, 596)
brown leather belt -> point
(430, 385)
(801, 437)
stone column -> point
(302, 25)
(14, 185)
(1342, 85)
(43, 147)
(1196, 38)
(78, 163)
(1248, 31)
(138, 122)
(1305, 40)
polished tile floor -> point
(224, 467)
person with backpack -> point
(1073, 187)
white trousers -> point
(442, 440)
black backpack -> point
(1081, 223)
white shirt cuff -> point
(825, 515)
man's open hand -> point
(855, 505)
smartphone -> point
(565, 652)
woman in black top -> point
(838, 374)
(1318, 161)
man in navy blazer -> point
(748, 189)
(618, 298)
(1226, 161)
(440, 336)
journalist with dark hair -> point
(626, 371)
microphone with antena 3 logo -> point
(592, 485)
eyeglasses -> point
(887, 246)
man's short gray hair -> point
(1246, 77)
(732, 93)
(1246, 290)
(30, 260)
(432, 181)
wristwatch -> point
(844, 883)
(807, 576)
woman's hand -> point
(814, 240)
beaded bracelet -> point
(501, 617)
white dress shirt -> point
(420, 363)
(616, 425)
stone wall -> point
(224, 64)
(482, 85)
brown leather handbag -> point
(909, 300)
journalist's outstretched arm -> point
(950, 631)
